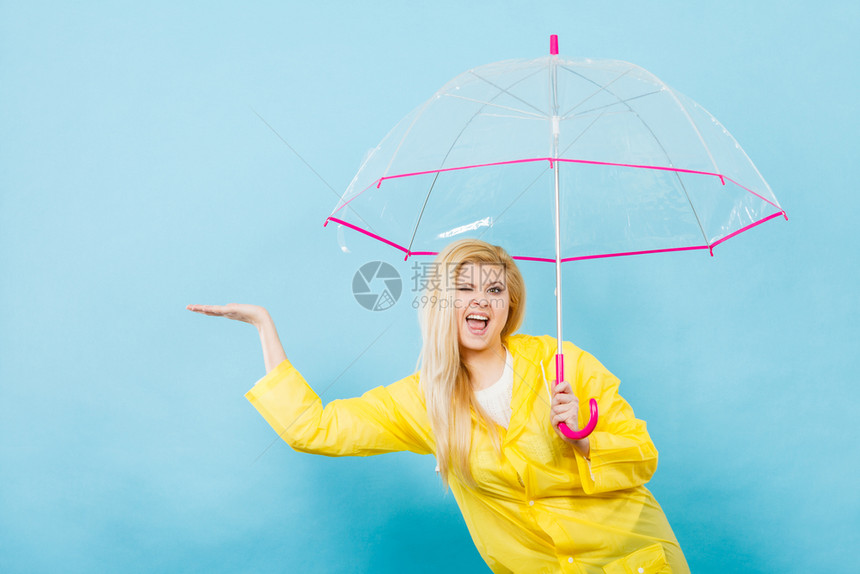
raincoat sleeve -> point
(384, 419)
(621, 454)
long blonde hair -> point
(445, 379)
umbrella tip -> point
(553, 44)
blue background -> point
(136, 176)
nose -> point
(476, 302)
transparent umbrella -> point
(558, 160)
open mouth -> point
(477, 323)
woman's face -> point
(481, 306)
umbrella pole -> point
(559, 357)
(556, 128)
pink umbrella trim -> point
(723, 178)
(567, 259)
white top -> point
(496, 399)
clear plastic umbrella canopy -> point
(642, 168)
(558, 160)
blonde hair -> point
(445, 379)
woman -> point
(533, 500)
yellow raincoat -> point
(541, 507)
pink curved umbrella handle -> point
(592, 404)
(592, 422)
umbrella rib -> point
(516, 199)
(421, 213)
(513, 117)
(693, 125)
(503, 90)
(686, 115)
(600, 88)
(535, 180)
(653, 135)
(707, 149)
(405, 135)
(541, 116)
(425, 104)
(582, 133)
(693, 209)
(648, 127)
(755, 169)
(624, 101)
(448, 153)
(677, 174)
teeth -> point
(479, 317)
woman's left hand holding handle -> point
(565, 409)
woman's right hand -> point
(253, 314)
